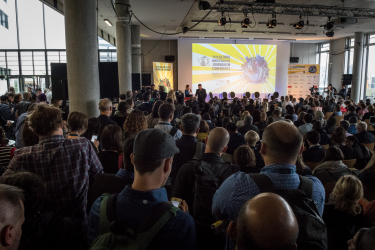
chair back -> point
(350, 163)
(325, 146)
(369, 126)
(338, 120)
(312, 165)
(370, 146)
(327, 115)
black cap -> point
(154, 144)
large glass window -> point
(370, 80)
(4, 19)
(323, 62)
(55, 29)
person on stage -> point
(188, 91)
(201, 93)
(342, 92)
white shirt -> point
(49, 96)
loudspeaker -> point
(247, 94)
(59, 81)
(108, 78)
(136, 81)
(211, 96)
(294, 60)
(169, 58)
(232, 94)
(346, 79)
(225, 95)
(256, 94)
(146, 79)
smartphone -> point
(176, 202)
(94, 137)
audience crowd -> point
(163, 170)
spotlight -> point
(328, 26)
(222, 20)
(300, 24)
(204, 5)
(245, 23)
(108, 22)
(330, 34)
(272, 23)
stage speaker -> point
(346, 79)
(225, 95)
(211, 95)
(136, 81)
(256, 94)
(294, 60)
(109, 84)
(232, 94)
(59, 81)
(248, 94)
(170, 58)
(146, 79)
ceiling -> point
(171, 15)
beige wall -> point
(162, 49)
(305, 51)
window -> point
(4, 19)
(370, 79)
(349, 55)
(323, 62)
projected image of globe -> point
(255, 69)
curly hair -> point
(135, 122)
(348, 190)
(339, 135)
(45, 120)
(244, 156)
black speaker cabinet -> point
(294, 60)
(346, 79)
(136, 81)
(170, 58)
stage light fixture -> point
(272, 22)
(329, 24)
(108, 22)
(204, 5)
(300, 24)
(222, 20)
(245, 23)
(330, 34)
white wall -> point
(185, 60)
(338, 62)
(306, 52)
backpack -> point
(115, 234)
(312, 230)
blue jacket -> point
(352, 129)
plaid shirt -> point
(66, 166)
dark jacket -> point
(261, 125)
(119, 119)
(22, 107)
(346, 118)
(109, 160)
(211, 125)
(365, 137)
(259, 162)
(324, 137)
(7, 111)
(331, 171)
(298, 123)
(201, 95)
(367, 116)
(235, 140)
(105, 121)
(368, 181)
(146, 106)
(246, 128)
(163, 96)
(314, 154)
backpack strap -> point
(306, 185)
(198, 151)
(103, 219)
(263, 182)
(173, 131)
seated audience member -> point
(93, 129)
(364, 239)
(280, 152)
(319, 117)
(111, 154)
(207, 117)
(263, 121)
(146, 196)
(301, 167)
(12, 216)
(153, 118)
(337, 110)
(360, 152)
(135, 122)
(184, 187)
(371, 112)
(60, 163)
(244, 157)
(42, 229)
(241, 122)
(265, 222)
(235, 138)
(225, 121)
(300, 121)
(308, 118)
(290, 111)
(351, 112)
(315, 153)
(338, 139)
(362, 135)
(248, 125)
(353, 125)
(145, 106)
(225, 113)
(105, 107)
(324, 137)
(363, 109)
(270, 111)
(121, 113)
(343, 214)
(330, 127)
(166, 112)
(77, 123)
(367, 177)
(203, 131)
(331, 169)
(345, 125)
(6, 152)
(163, 94)
(277, 115)
(256, 116)
(252, 138)
(188, 144)
(130, 102)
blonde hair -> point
(265, 106)
(348, 190)
(251, 137)
(171, 94)
(245, 113)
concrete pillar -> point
(124, 50)
(136, 51)
(357, 66)
(82, 56)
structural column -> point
(82, 56)
(123, 43)
(136, 52)
(357, 66)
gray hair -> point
(248, 119)
(362, 125)
(190, 123)
(10, 205)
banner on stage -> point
(163, 75)
(301, 78)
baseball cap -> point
(154, 144)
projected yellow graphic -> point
(163, 75)
(234, 67)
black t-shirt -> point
(109, 160)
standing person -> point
(111, 155)
(10, 99)
(146, 197)
(252, 138)
(60, 163)
(236, 139)
(201, 93)
(121, 113)
(166, 113)
(153, 118)
(187, 91)
(135, 122)
(77, 123)
(342, 92)
(23, 105)
(163, 94)
(105, 107)
(49, 94)
(93, 129)
(145, 105)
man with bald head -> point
(281, 145)
(265, 222)
(105, 107)
(188, 186)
